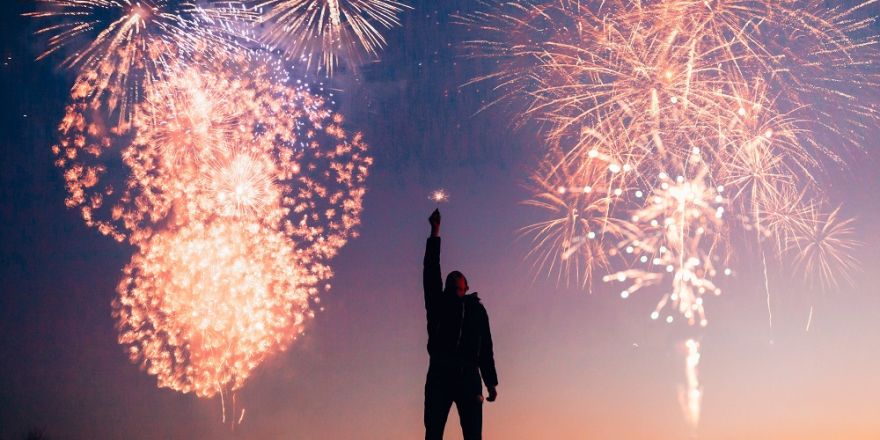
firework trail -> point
(696, 124)
(329, 29)
(690, 396)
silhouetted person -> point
(459, 346)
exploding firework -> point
(583, 63)
(692, 122)
(120, 49)
(209, 141)
(200, 307)
(579, 195)
(329, 29)
(676, 239)
(745, 88)
(823, 247)
(236, 183)
(237, 189)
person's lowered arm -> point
(487, 362)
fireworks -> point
(236, 184)
(332, 29)
(250, 192)
(754, 100)
(571, 241)
(677, 128)
(676, 237)
(201, 307)
(208, 141)
(120, 49)
(823, 247)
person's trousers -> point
(441, 390)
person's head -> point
(456, 283)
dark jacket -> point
(458, 328)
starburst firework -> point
(328, 29)
(121, 49)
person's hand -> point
(434, 220)
(493, 394)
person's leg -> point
(438, 400)
(470, 414)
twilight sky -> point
(571, 365)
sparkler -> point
(331, 29)
(439, 196)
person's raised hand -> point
(493, 394)
(434, 220)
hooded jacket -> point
(458, 328)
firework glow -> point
(677, 128)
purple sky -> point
(571, 365)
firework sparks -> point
(202, 306)
(579, 196)
(652, 88)
(243, 186)
(676, 238)
(693, 122)
(237, 191)
(222, 143)
(331, 29)
(823, 248)
(120, 49)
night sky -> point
(571, 364)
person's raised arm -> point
(431, 278)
